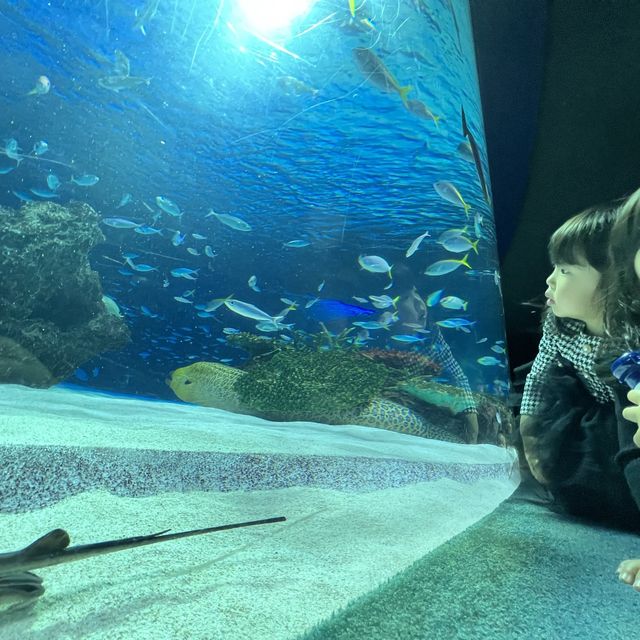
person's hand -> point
(633, 413)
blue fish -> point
(331, 310)
(455, 323)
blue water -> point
(341, 165)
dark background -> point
(560, 86)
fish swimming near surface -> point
(122, 83)
(476, 155)
(122, 66)
(420, 109)
(449, 192)
(120, 79)
(293, 87)
(19, 587)
(377, 73)
(144, 17)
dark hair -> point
(403, 278)
(622, 310)
(585, 237)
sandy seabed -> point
(273, 581)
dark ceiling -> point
(560, 94)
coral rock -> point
(50, 298)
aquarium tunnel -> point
(250, 294)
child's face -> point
(571, 291)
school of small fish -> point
(446, 255)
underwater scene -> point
(247, 248)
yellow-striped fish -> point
(377, 73)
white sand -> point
(270, 582)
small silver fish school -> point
(442, 267)
(230, 221)
(85, 180)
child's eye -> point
(564, 272)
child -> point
(568, 420)
(623, 326)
